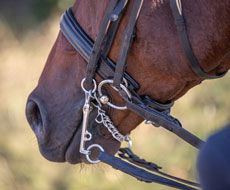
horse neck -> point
(209, 32)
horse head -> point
(156, 61)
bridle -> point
(115, 76)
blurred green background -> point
(27, 32)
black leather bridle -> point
(96, 55)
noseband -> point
(115, 76)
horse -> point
(155, 59)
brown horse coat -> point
(156, 61)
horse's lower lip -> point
(72, 154)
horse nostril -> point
(34, 116)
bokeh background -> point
(27, 32)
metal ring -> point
(125, 84)
(89, 148)
(83, 88)
(123, 87)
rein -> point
(157, 114)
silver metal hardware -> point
(88, 155)
(86, 91)
(104, 99)
(129, 141)
(123, 87)
(151, 123)
(179, 6)
(148, 122)
(125, 83)
(114, 17)
(86, 135)
(102, 118)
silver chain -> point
(101, 118)
(104, 119)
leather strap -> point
(96, 55)
(115, 18)
(83, 44)
(143, 106)
(161, 119)
(128, 155)
(186, 45)
(127, 41)
(140, 173)
(98, 45)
